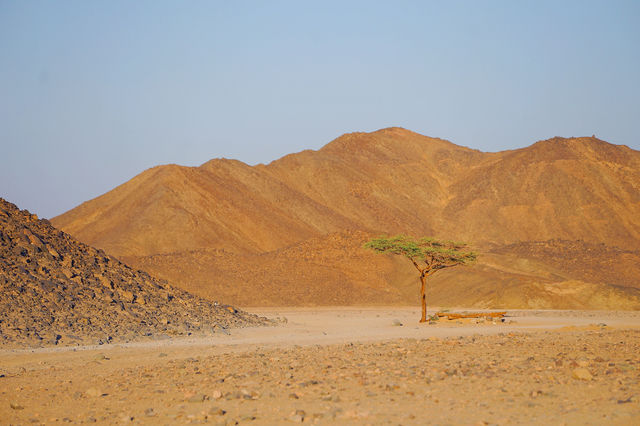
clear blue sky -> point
(92, 93)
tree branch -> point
(416, 265)
(429, 260)
(441, 266)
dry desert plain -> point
(344, 366)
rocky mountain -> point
(56, 290)
(254, 228)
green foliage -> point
(434, 253)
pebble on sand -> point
(199, 397)
(297, 416)
(581, 374)
(93, 392)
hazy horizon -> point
(91, 94)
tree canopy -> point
(435, 254)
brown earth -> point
(517, 373)
(55, 290)
(585, 261)
(290, 232)
(335, 270)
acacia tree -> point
(427, 255)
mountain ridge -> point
(384, 182)
(354, 190)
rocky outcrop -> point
(56, 290)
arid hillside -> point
(290, 232)
(336, 270)
(55, 290)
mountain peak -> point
(583, 147)
(224, 163)
(391, 143)
(390, 180)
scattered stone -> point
(93, 392)
(334, 398)
(536, 393)
(249, 395)
(297, 416)
(216, 411)
(356, 414)
(70, 293)
(625, 401)
(199, 397)
(16, 406)
(220, 329)
(396, 323)
(581, 374)
(334, 412)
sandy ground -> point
(344, 366)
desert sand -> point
(344, 366)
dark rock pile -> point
(55, 290)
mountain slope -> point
(228, 220)
(55, 290)
(580, 188)
(335, 269)
(391, 181)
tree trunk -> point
(423, 297)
